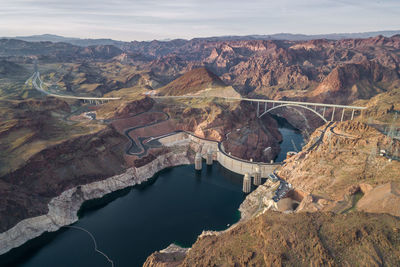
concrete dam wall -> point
(229, 162)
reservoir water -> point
(292, 138)
(175, 206)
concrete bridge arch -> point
(293, 105)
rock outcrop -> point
(382, 199)
(305, 239)
(170, 257)
(338, 157)
(192, 82)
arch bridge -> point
(326, 112)
(322, 110)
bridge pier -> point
(198, 162)
(341, 119)
(257, 176)
(246, 183)
(319, 109)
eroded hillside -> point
(340, 160)
(306, 239)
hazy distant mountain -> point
(56, 52)
(71, 40)
(304, 37)
(278, 36)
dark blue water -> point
(175, 206)
(292, 139)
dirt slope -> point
(192, 82)
(306, 239)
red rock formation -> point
(192, 82)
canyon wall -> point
(63, 209)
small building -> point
(272, 177)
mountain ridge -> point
(275, 36)
(192, 82)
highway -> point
(134, 149)
(280, 103)
(36, 78)
(264, 101)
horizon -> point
(145, 20)
(200, 37)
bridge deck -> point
(267, 101)
(36, 76)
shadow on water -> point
(95, 204)
(174, 206)
(98, 203)
(17, 256)
(283, 123)
(292, 139)
(209, 169)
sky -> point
(168, 19)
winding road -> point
(36, 77)
(141, 148)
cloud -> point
(149, 19)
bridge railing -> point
(264, 101)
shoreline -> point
(63, 209)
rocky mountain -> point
(56, 52)
(342, 210)
(305, 239)
(354, 146)
(43, 155)
(353, 81)
(321, 70)
(8, 68)
(288, 69)
(71, 40)
(192, 82)
(48, 145)
(278, 36)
